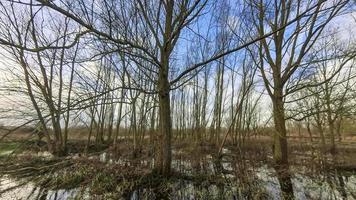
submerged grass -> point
(99, 178)
(133, 176)
(7, 148)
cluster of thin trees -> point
(167, 69)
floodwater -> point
(257, 183)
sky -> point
(344, 24)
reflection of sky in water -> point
(29, 191)
(306, 187)
(262, 180)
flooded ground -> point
(264, 186)
(229, 179)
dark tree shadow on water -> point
(285, 181)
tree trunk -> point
(338, 128)
(309, 131)
(164, 154)
(330, 118)
(280, 150)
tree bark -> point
(280, 136)
(164, 154)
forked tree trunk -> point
(164, 153)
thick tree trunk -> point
(280, 149)
(164, 153)
(332, 136)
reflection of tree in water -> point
(285, 181)
(212, 177)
